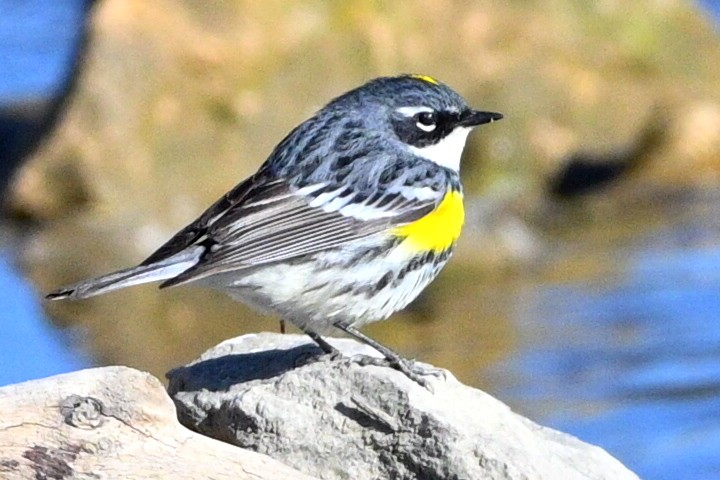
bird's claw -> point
(411, 369)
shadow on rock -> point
(219, 374)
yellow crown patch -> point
(426, 78)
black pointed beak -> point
(473, 118)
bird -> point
(350, 217)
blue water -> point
(711, 6)
(37, 38)
(30, 347)
(630, 359)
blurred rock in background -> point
(177, 100)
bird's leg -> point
(413, 371)
(326, 347)
(282, 326)
(331, 353)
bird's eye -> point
(426, 121)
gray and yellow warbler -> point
(353, 214)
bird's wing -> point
(195, 231)
(266, 221)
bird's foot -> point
(410, 368)
(310, 358)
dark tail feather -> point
(128, 277)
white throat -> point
(446, 152)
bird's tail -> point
(161, 270)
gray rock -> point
(335, 419)
(113, 423)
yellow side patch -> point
(437, 230)
(426, 78)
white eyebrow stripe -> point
(411, 111)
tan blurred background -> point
(175, 101)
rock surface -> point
(338, 420)
(112, 423)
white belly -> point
(335, 286)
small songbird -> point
(353, 214)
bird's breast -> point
(438, 230)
